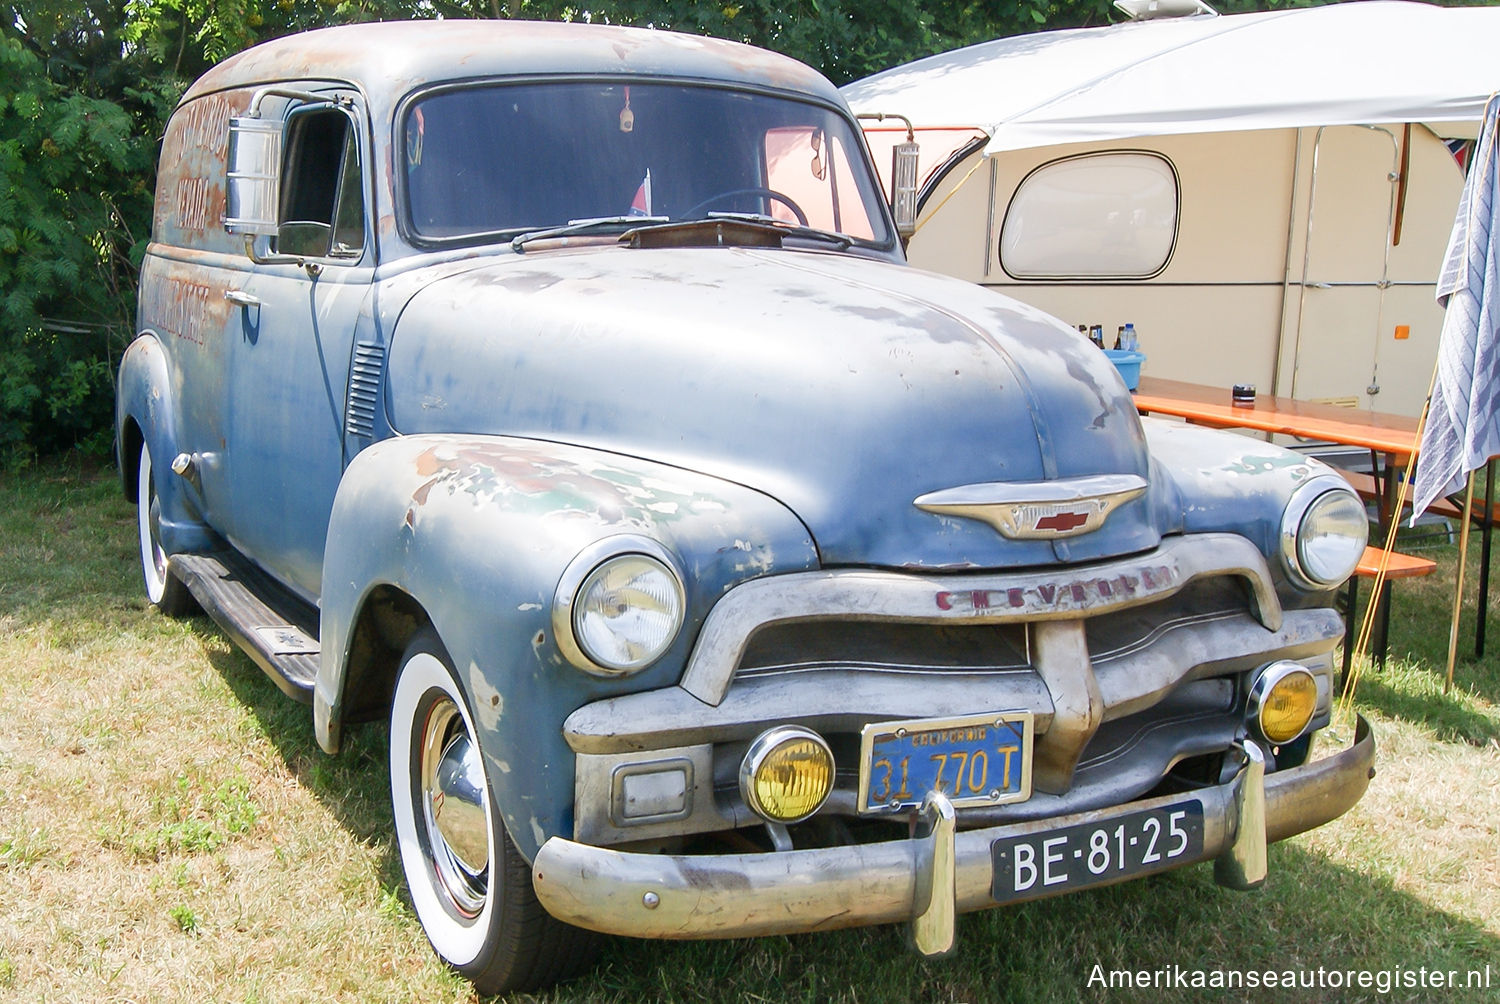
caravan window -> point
(1098, 216)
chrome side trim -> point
(740, 895)
(991, 598)
(1018, 509)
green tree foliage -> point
(75, 162)
(85, 87)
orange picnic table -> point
(1393, 437)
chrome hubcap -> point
(158, 555)
(153, 557)
(453, 804)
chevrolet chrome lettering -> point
(1060, 595)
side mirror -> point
(904, 186)
(253, 194)
(904, 176)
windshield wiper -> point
(583, 227)
(782, 226)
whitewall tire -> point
(163, 588)
(470, 886)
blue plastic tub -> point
(1129, 365)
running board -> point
(275, 628)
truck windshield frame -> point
(483, 161)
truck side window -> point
(322, 208)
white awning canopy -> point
(1343, 64)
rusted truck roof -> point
(403, 54)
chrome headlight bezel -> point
(1307, 503)
(1267, 682)
(771, 742)
(583, 572)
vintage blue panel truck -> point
(560, 394)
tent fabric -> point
(1342, 64)
(1463, 420)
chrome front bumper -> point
(926, 880)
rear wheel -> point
(163, 588)
(470, 886)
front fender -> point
(1221, 481)
(478, 530)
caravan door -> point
(1344, 273)
(1362, 328)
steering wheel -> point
(766, 193)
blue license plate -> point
(974, 760)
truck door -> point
(293, 340)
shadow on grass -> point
(354, 784)
(1313, 912)
(1416, 695)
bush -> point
(73, 197)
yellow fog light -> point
(1282, 702)
(787, 774)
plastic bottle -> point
(1129, 339)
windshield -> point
(487, 161)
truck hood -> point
(843, 387)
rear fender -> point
(145, 412)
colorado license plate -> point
(1072, 857)
(974, 760)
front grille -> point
(883, 645)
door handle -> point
(240, 298)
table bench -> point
(1398, 566)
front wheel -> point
(163, 588)
(470, 886)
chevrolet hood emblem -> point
(1038, 510)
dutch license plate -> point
(1073, 857)
(974, 760)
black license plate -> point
(1074, 857)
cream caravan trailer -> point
(1267, 197)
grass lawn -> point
(170, 831)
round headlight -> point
(787, 774)
(617, 610)
(628, 612)
(1324, 532)
(1282, 702)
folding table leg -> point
(1384, 601)
(1349, 599)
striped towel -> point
(1463, 423)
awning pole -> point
(1458, 589)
